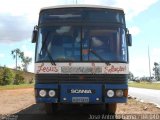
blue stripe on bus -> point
(116, 86)
(46, 86)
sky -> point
(18, 18)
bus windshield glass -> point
(81, 44)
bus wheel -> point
(51, 108)
(111, 108)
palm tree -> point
(26, 61)
(17, 53)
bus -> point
(81, 56)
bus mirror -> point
(129, 39)
(34, 35)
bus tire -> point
(111, 108)
(51, 108)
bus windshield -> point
(81, 44)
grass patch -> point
(21, 86)
(147, 85)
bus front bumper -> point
(81, 93)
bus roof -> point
(81, 5)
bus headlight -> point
(52, 93)
(42, 93)
(119, 93)
(110, 93)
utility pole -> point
(149, 64)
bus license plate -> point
(80, 99)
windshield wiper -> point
(44, 46)
(92, 51)
(98, 56)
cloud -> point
(139, 66)
(132, 8)
(27, 52)
(17, 20)
(155, 55)
(134, 30)
(29, 8)
(14, 28)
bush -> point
(6, 76)
(19, 79)
(31, 81)
(1, 76)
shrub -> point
(31, 81)
(1, 76)
(6, 76)
(19, 79)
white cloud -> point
(29, 8)
(18, 18)
(155, 55)
(132, 8)
(139, 66)
(134, 30)
(14, 28)
(27, 52)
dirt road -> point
(21, 102)
(12, 101)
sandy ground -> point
(12, 101)
(22, 101)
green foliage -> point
(19, 79)
(16, 77)
(6, 76)
(1, 76)
(131, 76)
(26, 61)
(31, 81)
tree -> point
(156, 70)
(17, 53)
(131, 76)
(26, 61)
